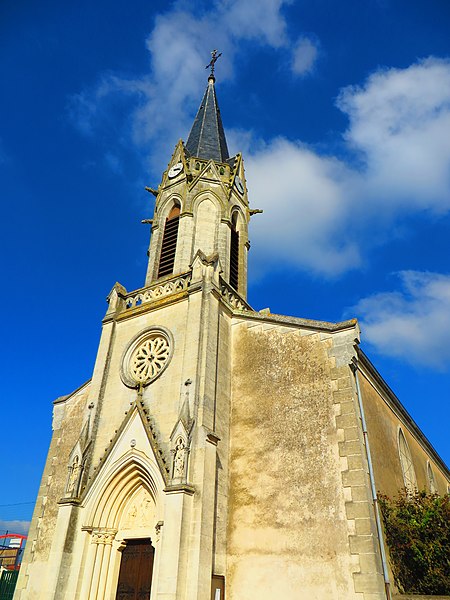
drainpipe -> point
(372, 486)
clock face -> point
(239, 184)
(175, 170)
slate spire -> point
(207, 137)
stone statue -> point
(74, 474)
(179, 458)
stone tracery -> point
(149, 358)
(146, 357)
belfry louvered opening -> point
(234, 253)
(169, 243)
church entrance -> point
(136, 569)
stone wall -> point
(67, 425)
(383, 423)
(289, 529)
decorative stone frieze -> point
(155, 292)
(102, 535)
(232, 297)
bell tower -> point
(142, 447)
(201, 204)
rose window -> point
(146, 357)
(149, 359)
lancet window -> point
(431, 479)
(234, 253)
(409, 475)
(169, 242)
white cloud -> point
(255, 19)
(179, 46)
(412, 324)
(305, 208)
(304, 56)
(399, 122)
(323, 213)
(21, 527)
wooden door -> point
(136, 569)
(218, 587)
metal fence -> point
(8, 582)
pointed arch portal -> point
(119, 491)
(121, 555)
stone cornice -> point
(149, 306)
(182, 488)
(72, 501)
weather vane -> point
(214, 58)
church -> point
(219, 452)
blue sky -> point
(342, 111)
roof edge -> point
(269, 317)
(62, 399)
(398, 408)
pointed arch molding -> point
(235, 208)
(212, 195)
(166, 205)
(111, 493)
(111, 509)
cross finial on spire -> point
(213, 61)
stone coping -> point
(269, 317)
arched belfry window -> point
(234, 252)
(409, 475)
(169, 242)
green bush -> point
(417, 531)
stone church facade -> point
(219, 452)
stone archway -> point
(124, 512)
